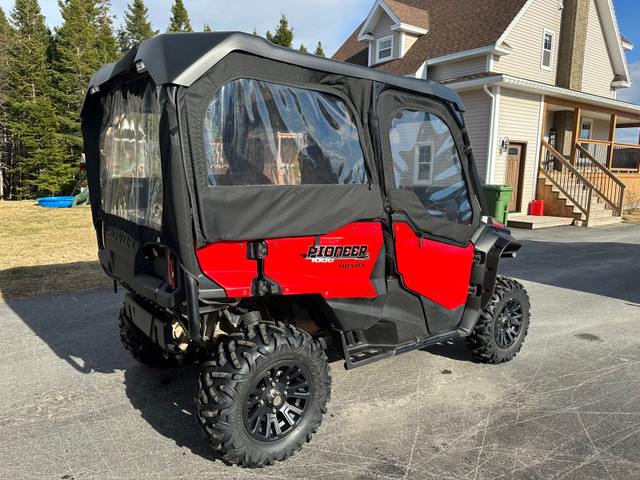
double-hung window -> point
(548, 40)
(384, 48)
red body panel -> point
(226, 264)
(331, 273)
(435, 270)
(338, 267)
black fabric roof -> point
(182, 58)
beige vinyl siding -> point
(599, 129)
(519, 120)
(478, 119)
(381, 30)
(598, 72)
(409, 40)
(525, 40)
(461, 68)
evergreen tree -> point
(283, 35)
(179, 21)
(206, 28)
(303, 48)
(84, 42)
(137, 27)
(319, 50)
(106, 44)
(31, 116)
(6, 38)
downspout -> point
(491, 149)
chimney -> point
(573, 36)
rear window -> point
(130, 168)
(260, 133)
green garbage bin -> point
(498, 198)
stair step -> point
(604, 221)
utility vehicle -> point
(261, 205)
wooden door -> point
(513, 176)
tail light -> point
(171, 273)
(497, 223)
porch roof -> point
(623, 109)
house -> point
(539, 80)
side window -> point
(260, 133)
(426, 162)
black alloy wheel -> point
(508, 324)
(499, 334)
(277, 401)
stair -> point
(557, 204)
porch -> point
(589, 161)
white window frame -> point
(416, 162)
(553, 46)
(590, 122)
(378, 42)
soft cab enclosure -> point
(223, 169)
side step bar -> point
(358, 353)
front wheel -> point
(499, 334)
(263, 396)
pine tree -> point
(319, 50)
(106, 44)
(6, 37)
(31, 116)
(84, 42)
(179, 21)
(303, 48)
(137, 27)
(283, 34)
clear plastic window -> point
(260, 133)
(426, 162)
(130, 166)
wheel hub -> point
(277, 401)
(509, 324)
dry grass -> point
(47, 251)
(632, 217)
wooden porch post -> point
(577, 112)
(639, 154)
(542, 130)
(612, 139)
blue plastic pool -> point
(55, 202)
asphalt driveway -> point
(74, 405)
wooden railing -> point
(566, 178)
(606, 184)
(617, 157)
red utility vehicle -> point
(261, 205)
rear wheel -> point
(264, 394)
(141, 347)
(500, 332)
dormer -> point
(391, 29)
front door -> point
(513, 176)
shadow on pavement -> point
(602, 268)
(81, 329)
